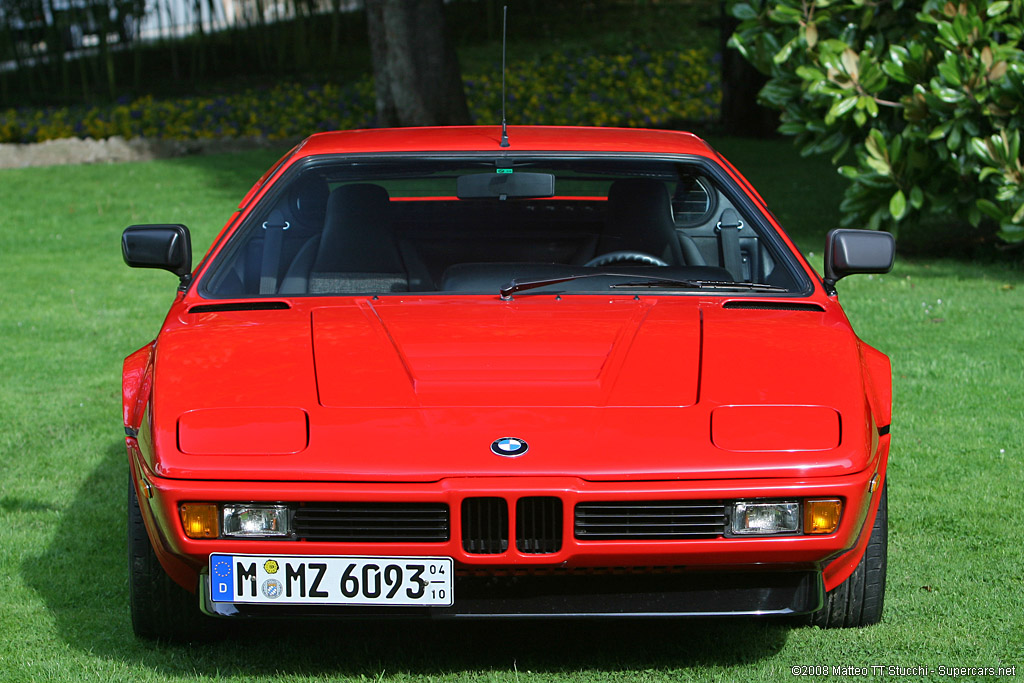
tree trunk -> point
(335, 41)
(106, 56)
(416, 73)
(741, 82)
(198, 65)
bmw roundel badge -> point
(509, 447)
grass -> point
(72, 311)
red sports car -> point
(426, 373)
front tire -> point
(160, 608)
(858, 601)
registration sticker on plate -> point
(304, 579)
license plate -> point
(306, 580)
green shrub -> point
(928, 98)
(636, 88)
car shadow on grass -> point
(83, 577)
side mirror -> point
(168, 247)
(848, 252)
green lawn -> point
(71, 311)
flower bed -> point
(637, 88)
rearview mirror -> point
(505, 184)
(848, 252)
(158, 246)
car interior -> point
(374, 229)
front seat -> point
(357, 250)
(639, 219)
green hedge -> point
(919, 104)
(635, 88)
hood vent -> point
(774, 306)
(241, 306)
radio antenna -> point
(504, 30)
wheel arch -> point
(136, 383)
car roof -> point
(521, 138)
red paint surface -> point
(243, 431)
(775, 428)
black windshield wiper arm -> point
(517, 285)
(700, 284)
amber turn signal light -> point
(199, 520)
(822, 516)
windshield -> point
(473, 226)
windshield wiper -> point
(701, 284)
(517, 285)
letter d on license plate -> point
(310, 580)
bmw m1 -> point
(423, 374)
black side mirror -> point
(168, 247)
(848, 252)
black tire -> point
(858, 601)
(160, 608)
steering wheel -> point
(626, 255)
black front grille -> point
(373, 522)
(649, 520)
(539, 525)
(484, 526)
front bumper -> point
(723, 575)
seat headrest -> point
(359, 201)
(358, 235)
(640, 219)
(307, 199)
(640, 200)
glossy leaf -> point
(850, 172)
(743, 11)
(928, 97)
(811, 35)
(916, 197)
(840, 107)
(997, 8)
(876, 145)
(989, 208)
(950, 70)
(783, 54)
(880, 166)
(898, 205)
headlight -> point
(255, 521)
(750, 518)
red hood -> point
(416, 389)
(497, 354)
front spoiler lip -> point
(758, 593)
